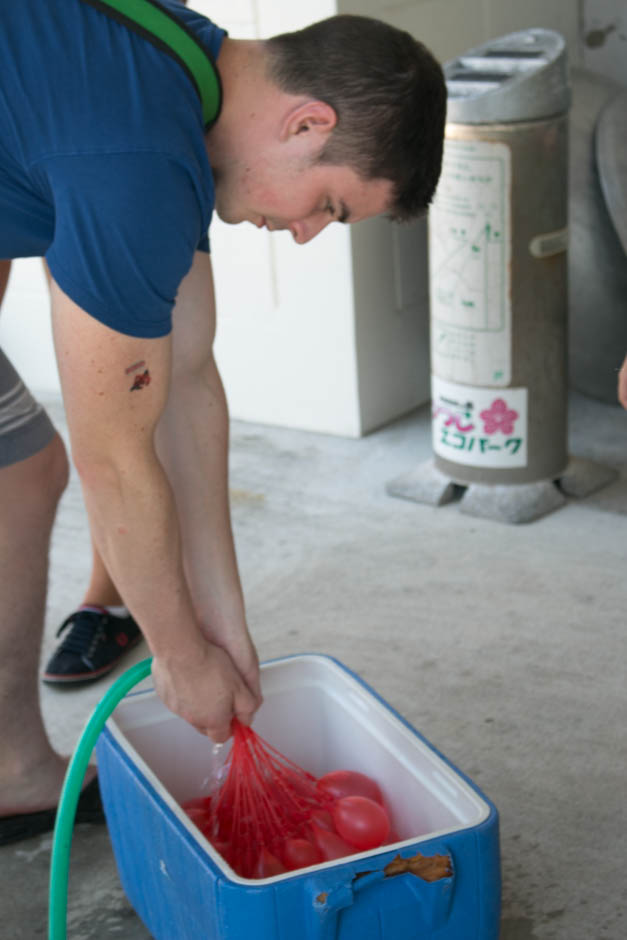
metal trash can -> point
(498, 278)
(497, 261)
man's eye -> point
(330, 208)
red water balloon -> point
(330, 844)
(268, 865)
(361, 822)
(299, 853)
(339, 783)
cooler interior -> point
(320, 716)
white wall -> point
(449, 27)
(285, 341)
(604, 38)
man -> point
(107, 169)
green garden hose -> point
(64, 824)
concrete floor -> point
(504, 646)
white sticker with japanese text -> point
(479, 427)
(470, 264)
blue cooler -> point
(323, 717)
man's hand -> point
(240, 648)
(205, 689)
(622, 384)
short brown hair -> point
(388, 92)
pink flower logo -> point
(498, 417)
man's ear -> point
(315, 118)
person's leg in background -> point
(31, 773)
(33, 475)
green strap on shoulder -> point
(160, 27)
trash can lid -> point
(518, 77)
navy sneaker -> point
(96, 642)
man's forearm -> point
(133, 517)
(193, 444)
(193, 441)
(134, 524)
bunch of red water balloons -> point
(351, 817)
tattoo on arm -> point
(140, 380)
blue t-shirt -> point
(103, 166)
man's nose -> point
(306, 229)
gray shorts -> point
(25, 428)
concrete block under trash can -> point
(324, 717)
